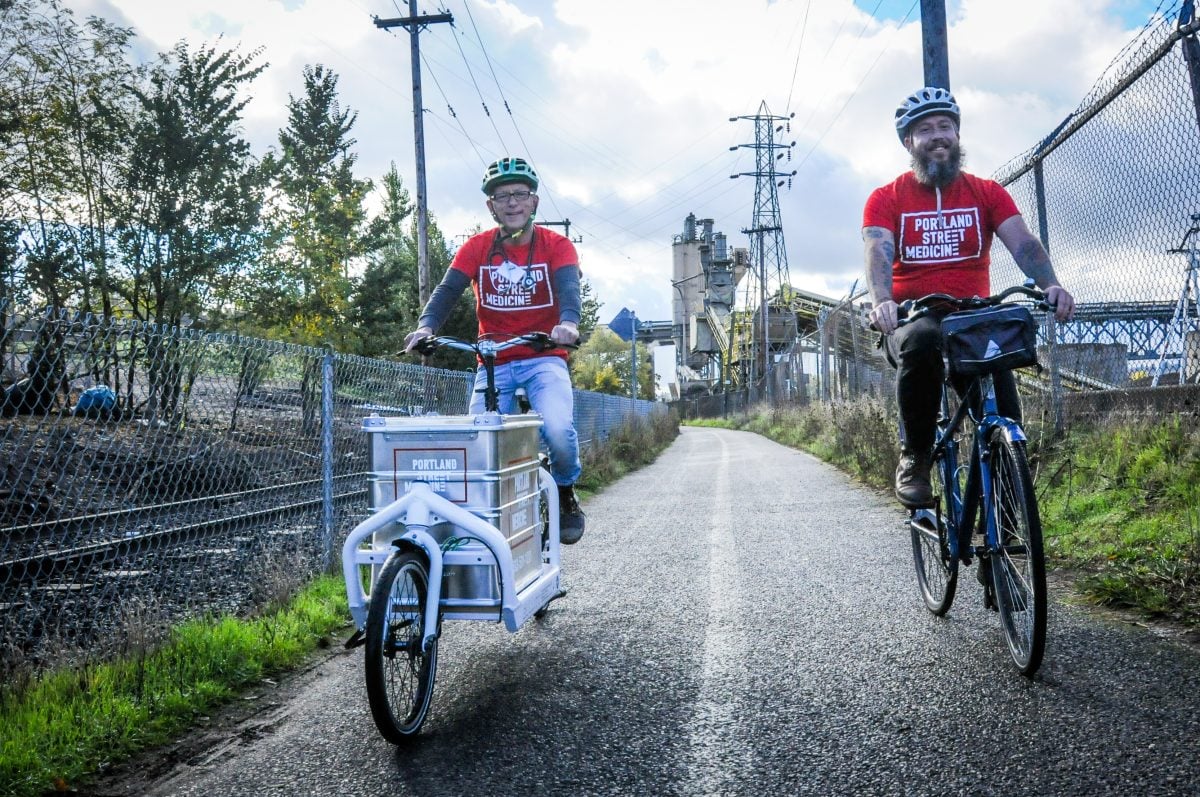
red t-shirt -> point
(514, 287)
(950, 253)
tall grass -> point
(1121, 503)
(59, 727)
(632, 445)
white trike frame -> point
(419, 509)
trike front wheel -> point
(399, 669)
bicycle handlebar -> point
(485, 347)
(912, 309)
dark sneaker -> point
(571, 519)
(912, 481)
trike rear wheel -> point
(399, 670)
(1018, 564)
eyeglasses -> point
(504, 196)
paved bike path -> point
(742, 620)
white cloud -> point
(624, 106)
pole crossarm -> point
(409, 22)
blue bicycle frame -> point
(961, 502)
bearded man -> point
(931, 231)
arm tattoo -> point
(879, 252)
(1033, 260)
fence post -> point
(823, 317)
(1191, 53)
(327, 461)
(1056, 394)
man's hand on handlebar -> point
(1062, 301)
(412, 339)
(885, 316)
(565, 333)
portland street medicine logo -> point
(945, 237)
(509, 286)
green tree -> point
(386, 304)
(590, 315)
(192, 194)
(318, 222)
(191, 205)
(63, 98)
(602, 365)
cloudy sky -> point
(624, 107)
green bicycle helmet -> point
(924, 102)
(509, 170)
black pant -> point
(916, 351)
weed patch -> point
(59, 727)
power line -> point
(854, 93)
(414, 24)
(799, 49)
(482, 101)
(487, 58)
(450, 108)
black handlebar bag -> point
(991, 339)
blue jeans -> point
(547, 383)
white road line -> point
(718, 753)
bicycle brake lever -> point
(540, 342)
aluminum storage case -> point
(485, 463)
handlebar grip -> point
(539, 341)
(425, 345)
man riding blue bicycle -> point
(526, 279)
(931, 231)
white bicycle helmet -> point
(509, 170)
(925, 102)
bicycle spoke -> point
(399, 670)
(1018, 569)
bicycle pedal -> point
(357, 639)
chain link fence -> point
(150, 474)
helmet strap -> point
(519, 233)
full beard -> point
(937, 174)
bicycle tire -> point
(399, 672)
(1018, 562)
(937, 571)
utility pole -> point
(933, 44)
(414, 23)
(566, 225)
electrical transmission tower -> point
(768, 256)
